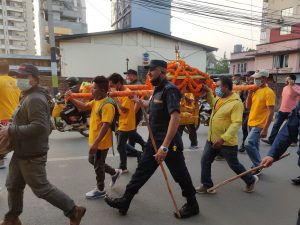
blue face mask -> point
(219, 92)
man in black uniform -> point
(164, 116)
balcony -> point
(14, 9)
(17, 47)
(16, 38)
(15, 28)
(17, 1)
(70, 14)
(17, 19)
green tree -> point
(222, 65)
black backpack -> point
(115, 123)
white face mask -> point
(257, 82)
(23, 84)
(113, 89)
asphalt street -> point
(275, 202)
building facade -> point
(69, 17)
(17, 27)
(104, 53)
(130, 14)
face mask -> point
(23, 84)
(219, 92)
(156, 81)
(235, 82)
(113, 89)
(258, 83)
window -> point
(245, 67)
(287, 12)
(285, 30)
(238, 70)
(242, 67)
(281, 61)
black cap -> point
(155, 63)
(27, 69)
(130, 71)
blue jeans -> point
(230, 155)
(280, 118)
(252, 145)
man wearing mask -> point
(261, 104)
(289, 100)
(225, 121)
(132, 79)
(29, 133)
(164, 117)
(9, 99)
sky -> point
(99, 19)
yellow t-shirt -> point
(127, 120)
(9, 97)
(107, 116)
(261, 99)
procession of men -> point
(28, 129)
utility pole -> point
(52, 48)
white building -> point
(103, 53)
(17, 27)
(131, 14)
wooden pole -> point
(242, 174)
(160, 164)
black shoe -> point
(296, 181)
(266, 141)
(188, 210)
(119, 203)
(242, 149)
(139, 157)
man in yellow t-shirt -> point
(261, 105)
(127, 122)
(9, 99)
(100, 133)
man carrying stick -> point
(224, 124)
(164, 116)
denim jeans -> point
(230, 155)
(280, 118)
(192, 133)
(252, 145)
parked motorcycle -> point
(204, 113)
(77, 122)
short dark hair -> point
(116, 78)
(226, 82)
(237, 75)
(101, 82)
(293, 77)
(4, 67)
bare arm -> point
(249, 100)
(172, 128)
(82, 106)
(264, 132)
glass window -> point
(287, 12)
(285, 30)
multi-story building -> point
(280, 37)
(130, 14)
(17, 27)
(69, 17)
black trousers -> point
(135, 137)
(245, 126)
(175, 162)
(192, 133)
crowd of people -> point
(251, 110)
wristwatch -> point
(165, 149)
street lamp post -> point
(127, 61)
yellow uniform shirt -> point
(9, 97)
(107, 116)
(127, 120)
(261, 99)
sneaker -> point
(115, 177)
(294, 144)
(257, 172)
(296, 180)
(242, 149)
(250, 187)
(203, 190)
(124, 170)
(2, 164)
(95, 193)
(266, 141)
(194, 147)
(219, 158)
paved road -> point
(275, 202)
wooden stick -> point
(160, 164)
(242, 174)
